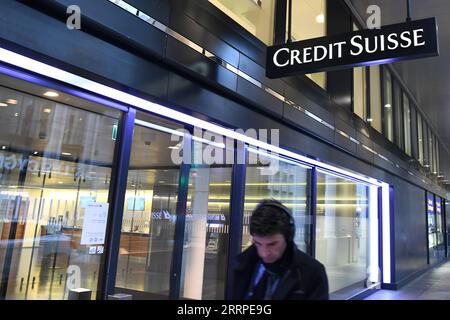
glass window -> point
(387, 110)
(407, 124)
(256, 16)
(205, 248)
(149, 217)
(283, 180)
(342, 229)
(420, 137)
(359, 92)
(55, 172)
(398, 112)
(375, 98)
(309, 21)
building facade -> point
(134, 146)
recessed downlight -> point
(47, 110)
(51, 94)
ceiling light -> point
(3, 147)
(35, 152)
(60, 182)
(320, 18)
(16, 114)
(2, 104)
(162, 181)
(175, 148)
(47, 110)
(67, 154)
(387, 105)
(51, 94)
(369, 120)
(11, 101)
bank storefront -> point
(103, 190)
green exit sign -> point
(114, 132)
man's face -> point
(270, 248)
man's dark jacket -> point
(304, 279)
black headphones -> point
(275, 204)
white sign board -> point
(94, 224)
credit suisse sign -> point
(397, 42)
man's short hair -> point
(271, 217)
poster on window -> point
(94, 224)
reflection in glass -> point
(388, 117)
(256, 16)
(148, 226)
(55, 160)
(277, 178)
(342, 229)
(205, 247)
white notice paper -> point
(94, 224)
